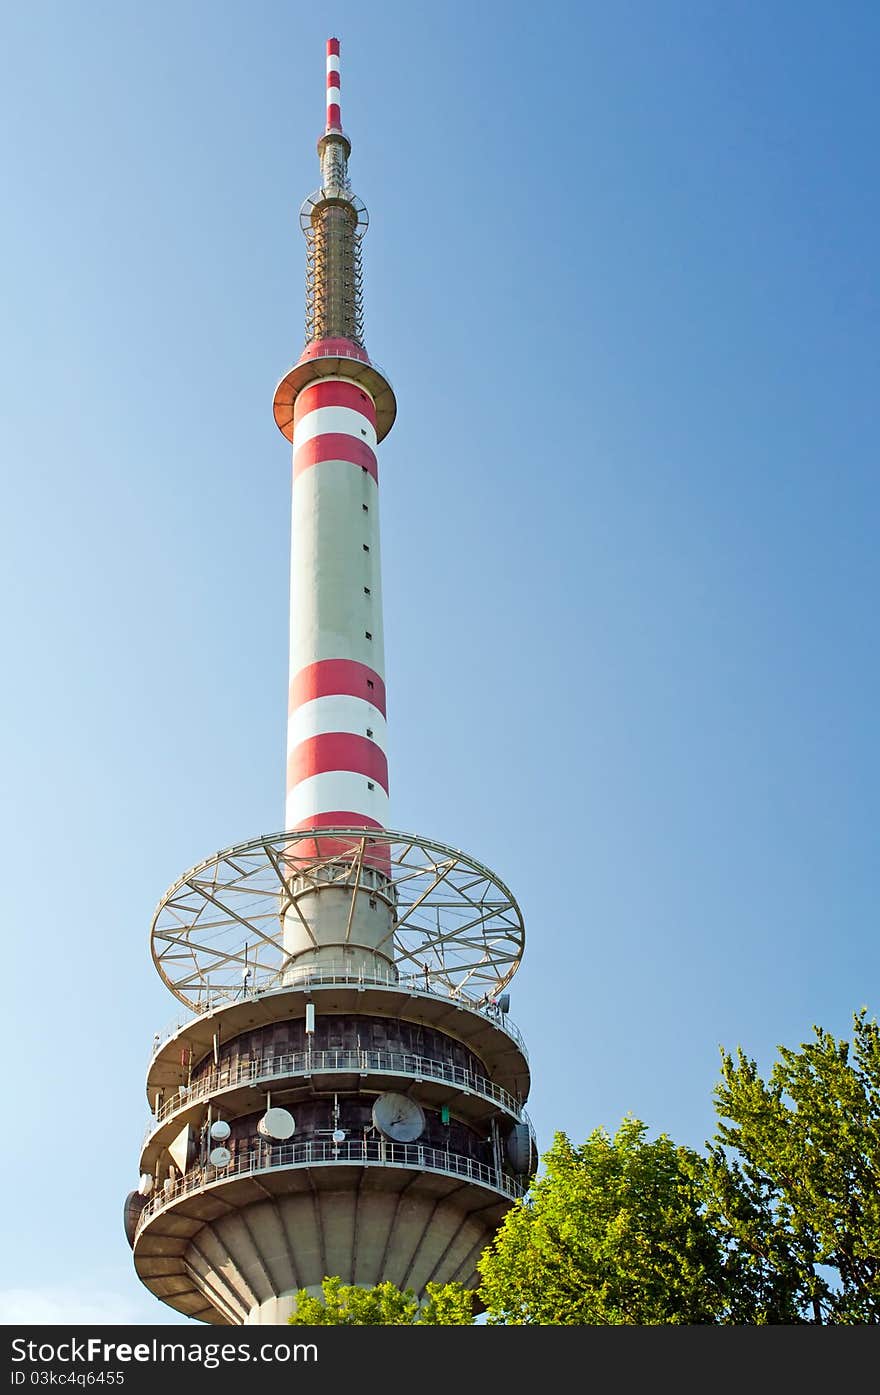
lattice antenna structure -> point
(455, 927)
(334, 221)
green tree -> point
(779, 1222)
(614, 1232)
(384, 1305)
(794, 1173)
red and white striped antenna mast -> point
(334, 84)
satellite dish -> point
(167, 1185)
(398, 1117)
(219, 1157)
(276, 1123)
(220, 1130)
(145, 1185)
(520, 1150)
(134, 1205)
(339, 1135)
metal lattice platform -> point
(453, 921)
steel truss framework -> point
(455, 925)
(334, 223)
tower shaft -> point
(337, 765)
(337, 769)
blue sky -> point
(623, 272)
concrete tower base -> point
(238, 1254)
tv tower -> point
(343, 1094)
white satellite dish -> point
(276, 1123)
(145, 1185)
(220, 1130)
(399, 1117)
(219, 1157)
(339, 1135)
(167, 1184)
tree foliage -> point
(613, 1233)
(777, 1222)
(794, 1176)
(384, 1305)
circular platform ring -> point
(335, 365)
(457, 928)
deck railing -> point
(267, 1069)
(329, 976)
(368, 1152)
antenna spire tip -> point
(334, 114)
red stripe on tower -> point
(377, 855)
(335, 445)
(335, 393)
(322, 348)
(330, 677)
(338, 750)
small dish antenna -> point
(336, 1134)
(219, 1157)
(220, 1130)
(277, 1124)
(145, 1185)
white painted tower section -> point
(337, 759)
